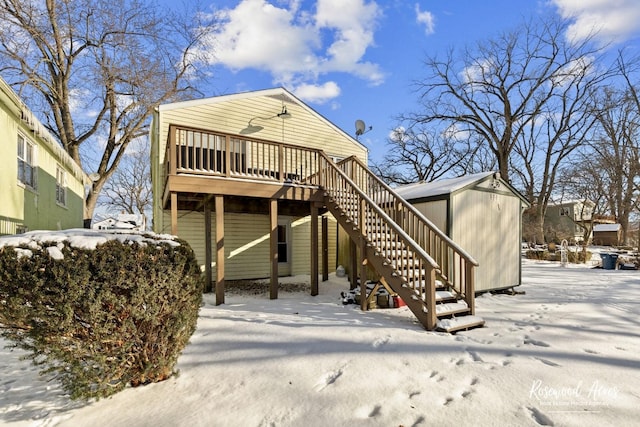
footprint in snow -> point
(586, 350)
(474, 356)
(531, 341)
(538, 417)
(328, 379)
(546, 361)
(381, 341)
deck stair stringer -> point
(395, 240)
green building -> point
(41, 187)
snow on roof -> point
(81, 238)
(606, 227)
(437, 188)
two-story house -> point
(42, 187)
(261, 185)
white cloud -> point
(259, 35)
(297, 46)
(614, 21)
(426, 18)
(318, 93)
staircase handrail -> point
(320, 180)
(464, 254)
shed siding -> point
(436, 211)
(483, 224)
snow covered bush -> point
(100, 315)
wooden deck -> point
(219, 173)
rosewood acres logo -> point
(579, 395)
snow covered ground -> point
(566, 353)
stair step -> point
(451, 308)
(442, 296)
(423, 284)
(459, 323)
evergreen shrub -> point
(101, 319)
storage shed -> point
(483, 214)
(607, 234)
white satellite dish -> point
(94, 176)
(361, 128)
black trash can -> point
(609, 261)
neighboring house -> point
(121, 222)
(568, 220)
(261, 185)
(483, 214)
(42, 187)
(607, 234)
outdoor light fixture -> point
(284, 114)
(251, 128)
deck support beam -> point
(273, 244)
(207, 245)
(219, 205)
(314, 249)
(353, 264)
(325, 249)
(363, 255)
(174, 213)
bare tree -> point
(524, 94)
(616, 153)
(422, 156)
(96, 69)
(129, 188)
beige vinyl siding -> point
(436, 211)
(303, 128)
(247, 243)
(301, 245)
(483, 224)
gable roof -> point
(607, 227)
(279, 93)
(420, 190)
(445, 187)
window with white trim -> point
(27, 171)
(61, 186)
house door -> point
(284, 247)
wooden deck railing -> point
(377, 227)
(456, 265)
(199, 152)
(384, 218)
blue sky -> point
(356, 59)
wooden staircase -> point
(417, 261)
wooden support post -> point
(432, 319)
(363, 274)
(207, 245)
(314, 249)
(273, 240)
(470, 291)
(353, 264)
(174, 214)
(219, 202)
(363, 255)
(325, 248)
